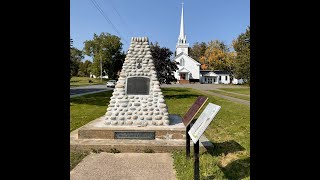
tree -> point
(197, 50)
(215, 56)
(107, 48)
(85, 68)
(163, 65)
(242, 46)
(75, 58)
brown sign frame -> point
(194, 109)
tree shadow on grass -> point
(174, 90)
(97, 99)
(180, 96)
(237, 169)
(225, 148)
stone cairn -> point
(137, 110)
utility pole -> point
(100, 67)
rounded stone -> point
(137, 122)
(165, 117)
(134, 117)
(166, 122)
(154, 122)
(122, 113)
(116, 113)
(164, 110)
(121, 123)
(111, 105)
(156, 113)
(145, 113)
(129, 113)
(113, 117)
(132, 108)
(124, 105)
(158, 117)
(161, 100)
(157, 109)
(162, 105)
(114, 122)
(121, 118)
(145, 123)
(144, 109)
(109, 108)
(108, 113)
(136, 104)
(148, 117)
(151, 109)
(149, 104)
(129, 122)
(140, 113)
(108, 122)
(159, 123)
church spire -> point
(182, 45)
(181, 36)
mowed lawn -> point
(86, 108)
(84, 81)
(239, 96)
(229, 132)
(245, 91)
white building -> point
(217, 77)
(189, 69)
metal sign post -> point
(198, 129)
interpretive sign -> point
(194, 109)
(138, 86)
(134, 135)
(203, 122)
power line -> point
(106, 17)
(121, 19)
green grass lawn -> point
(229, 132)
(75, 158)
(86, 108)
(245, 91)
(232, 95)
(84, 81)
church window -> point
(182, 62)
(226, 78)
(219, 78)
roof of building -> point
(180, 54)
(215, 71)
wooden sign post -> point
(188, 117)
(198, 129)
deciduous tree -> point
(164, 66)
(242, 46)
(107, 48)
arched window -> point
(181, 62)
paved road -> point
(75, 91)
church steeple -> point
(182, 45)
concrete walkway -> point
(125, 166)
(204, 88)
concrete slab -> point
(96, 136)
(125, 166)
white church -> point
(189, 69)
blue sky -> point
(159, 20)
